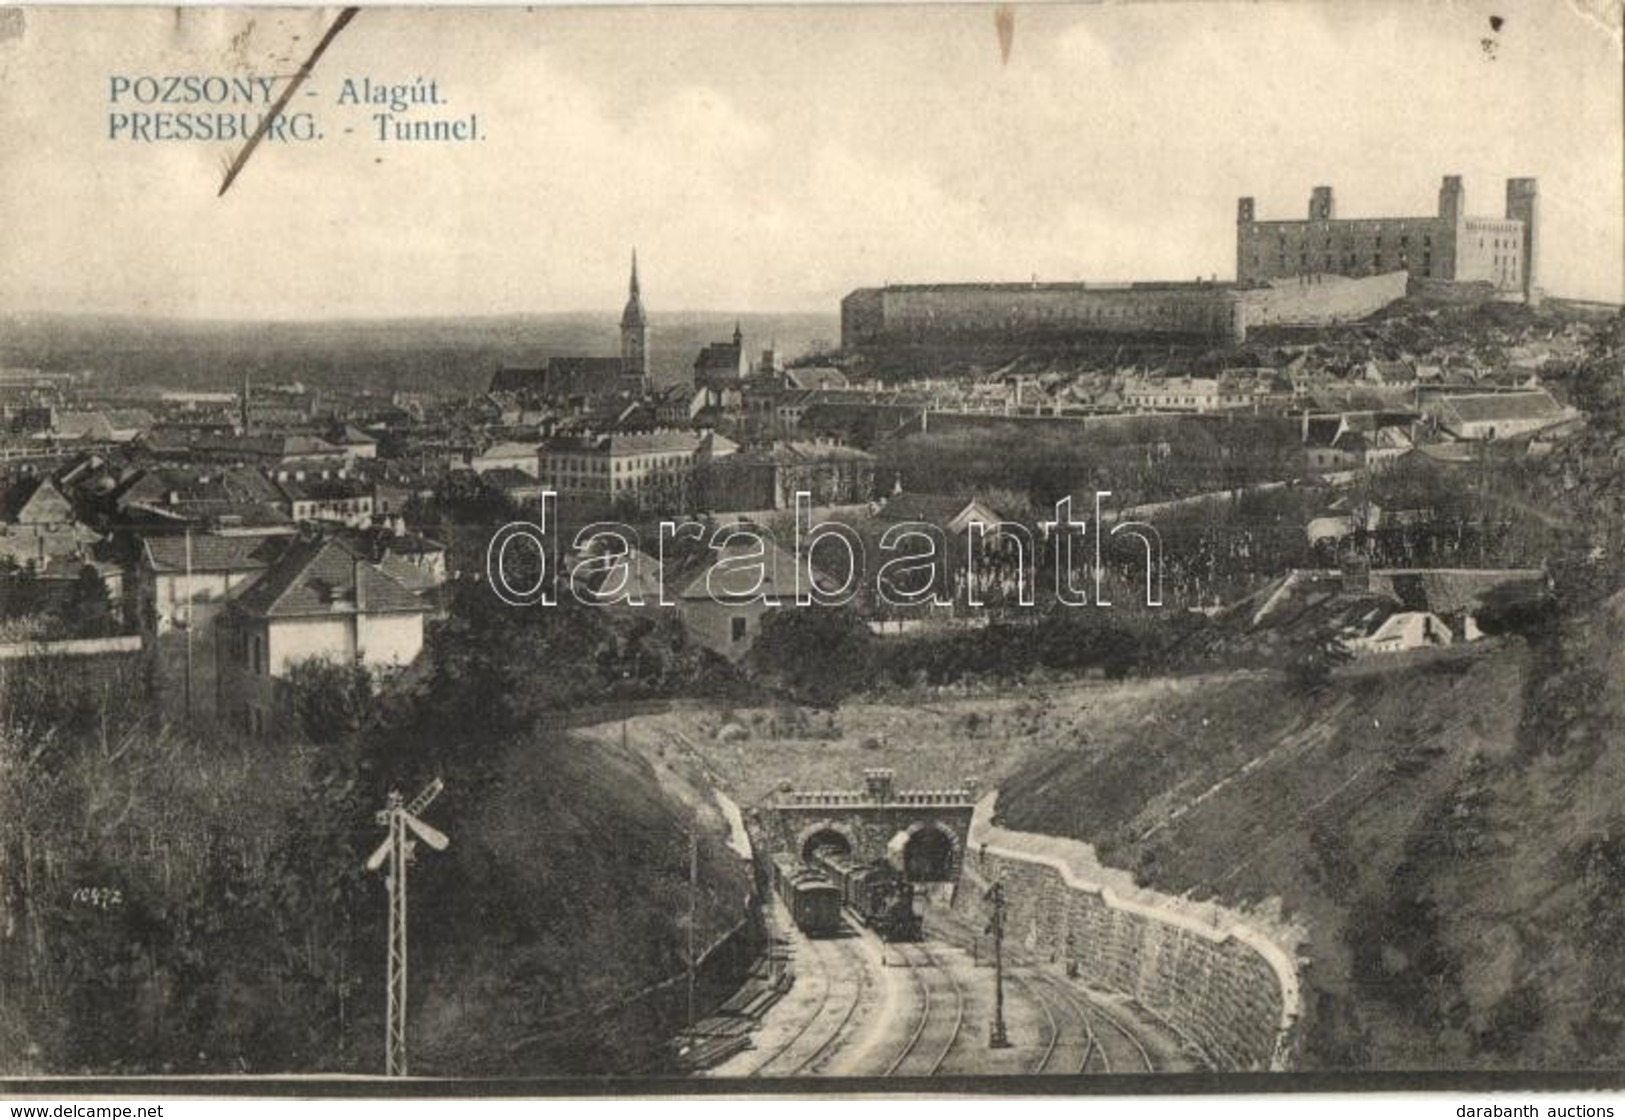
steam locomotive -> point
(876, 892)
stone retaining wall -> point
(1227, 988)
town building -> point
(769, 476)
(723, 592)
(39, 528)
(722, 365)
(579, 381)
(1496, 416)
(626, 466)
(321, 600)
(345, 501)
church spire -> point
(635, 335)
(634, 315)
(739, 335)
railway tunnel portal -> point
(923, 831)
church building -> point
(565, 380)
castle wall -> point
(927, 314)
(1321, 300)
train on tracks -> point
(877, 893)
(813, 901)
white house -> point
(322, 600)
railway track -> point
(806, 1049)
(1079, 1048)
(1118, 1045)
(1113, 1048)
(942, 1015)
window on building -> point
(737, 626)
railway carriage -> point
(813, 901)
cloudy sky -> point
(772, 158)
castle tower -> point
(1523, 205)
(1452, 200)
(635, 333)
(1244, 218)
(1321, 206)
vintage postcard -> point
(801, 548)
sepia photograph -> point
(813, 549)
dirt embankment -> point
(1448, 829)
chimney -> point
(360, 595)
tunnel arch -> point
(929, 851)
(825, 834)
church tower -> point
(635, 335)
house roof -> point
(519, 379)
(816, 377)
(324, 489)
(316, 578)
(211, 553)
(82, 425)
(941, 510)
(1481, 407)
(718, 357)
(509, 450)
(626, 443)
(191, 485)
(738, 571)
(34, 501)
(509, 478)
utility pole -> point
(997, 1037)
(190, 593)
(396, 850)
(693, 908)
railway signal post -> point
(997, 1037)
(400, 817)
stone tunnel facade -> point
(927, 829)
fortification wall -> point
(1321, 300)
(928, 314)
(1467, 293)
(1226, 986)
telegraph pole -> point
(693, 893)
(997, 1037)
(396, 850)
(190, 600)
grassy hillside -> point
(1446, 827)
(567, 889)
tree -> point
(820, 654)
(330, 699)
(88, 613)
